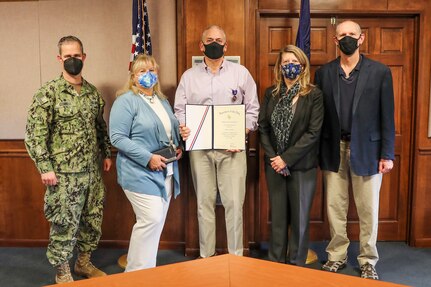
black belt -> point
(345, 138)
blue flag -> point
(141, 37)
(303, 35)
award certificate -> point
(229, 127)
(199, 120)
(215, 127)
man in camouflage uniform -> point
(67, 138)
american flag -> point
(303, 36)
(141, 37)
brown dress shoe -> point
(200, 257)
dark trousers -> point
(290, 198)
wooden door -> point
(388, 40)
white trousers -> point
(226, 172)
(366, 191)
(150, 211)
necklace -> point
(149, 98)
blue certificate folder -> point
(215, 127)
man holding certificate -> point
(213, 101)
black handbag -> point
(168, 152)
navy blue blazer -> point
(373, 128)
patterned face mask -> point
(147, 80)
(291, 70)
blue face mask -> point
(291, 70)
(147, 80)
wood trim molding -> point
(346, 13)
(102, 244)
(181, 36)
(429, 111)
(164, 245)
(13, 153)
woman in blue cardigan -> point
(141, 123)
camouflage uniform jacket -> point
(65, 130)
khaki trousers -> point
(366, 191)
(226, 172)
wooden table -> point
(229, 270)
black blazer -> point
(303, 146)
(373, 128)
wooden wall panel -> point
(421, 201)
(365, 47)
(408, 5)
(397, 76)
(391, 41)
(331, 5)
(420, 205)
(118, 217)
(390, 207)
(22, 221)
(198, 15)
(318, 39)
(21, 199)
(421, 231)
(278, 37)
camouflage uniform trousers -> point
(74, 209)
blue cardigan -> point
(135, 130)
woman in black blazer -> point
(290, 120)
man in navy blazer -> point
(357, 144)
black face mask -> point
(73, 65)
(348, 45)
(214, 50)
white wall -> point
(29, 32)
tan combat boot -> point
(63, 274)
(84, 267)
